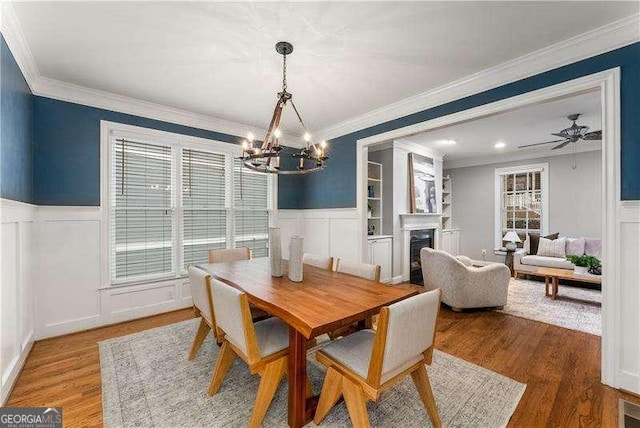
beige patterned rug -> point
(574, 308)
(148, 382)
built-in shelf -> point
(446, 202)
(374, 199)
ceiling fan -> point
(572, 134)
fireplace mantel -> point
(420, 221)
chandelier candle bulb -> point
(275, 251)
(296, 249)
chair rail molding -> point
(620, 323)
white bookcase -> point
(374, 198)
(446, 203)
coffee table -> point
(552, 276)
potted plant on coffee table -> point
(583, 263)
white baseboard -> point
(15, 367)
(396, 280)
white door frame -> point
(608, 82)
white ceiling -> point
(475, 139)
(218, 59)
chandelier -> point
(266, 157)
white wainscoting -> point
(16, 292)
(70, 295)
(629, 327)
(329, 232)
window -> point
(172, 198)
(521, 201)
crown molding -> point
(600, 40)
(18, 44)
(63, 91)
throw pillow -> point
(534, 239)
(552, 247)
(575, 246)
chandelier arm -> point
(275, 122)
(299, 117)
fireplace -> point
(418, 239)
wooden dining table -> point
(321, 303)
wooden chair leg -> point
(271, 377)
(223, 364)
(330, 394)
(309, 392)
(421, 380)
(201, 334)
(356, 403)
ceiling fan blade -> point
(539, 144)
(559, 146)
(595, 135)
(560, 134)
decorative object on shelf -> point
(296, 252)
(511, 237)
(266, 158)
(585, 264)
(422, 184)
(369, 211)
(371, 229)
(370, 193)
(275, 251)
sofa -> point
(463, 285)
(524, 263)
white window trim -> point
(497, 214)
(110, 130)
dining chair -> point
(226, 255)
(363, 270)
(318, 261)
(200, 284)
(263, 346)
(366, 363)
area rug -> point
(574, 308)
(148, 382)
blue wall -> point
(16, 130)
(336, 186)
(67, 151)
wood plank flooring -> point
(560, 367)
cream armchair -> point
(464, 286)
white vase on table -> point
(581, 270)
(275, 251)
(295, 258)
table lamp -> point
(511, 237)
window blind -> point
(141, 211)
(251, 209)
(204, 196)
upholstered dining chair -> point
(318, 261)
(363, 270)
(200, 283)
(264, 346)
(366, 363)
(226, 255)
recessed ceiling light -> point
(447, 142)
(499, 145)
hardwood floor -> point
(560, 367)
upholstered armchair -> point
(464, 286)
